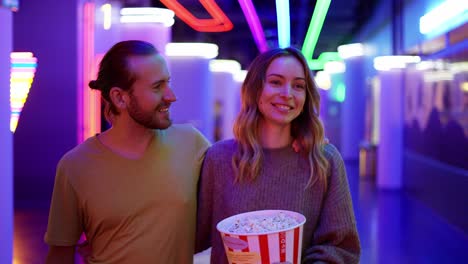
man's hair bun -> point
(94, 84)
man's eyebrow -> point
(161, 81)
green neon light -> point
(315, 26)
(315, 65)
(324, 57)
(329, 56)
(340, 92)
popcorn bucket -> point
(263, 237)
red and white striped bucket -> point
(283, 246)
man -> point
(131, 189)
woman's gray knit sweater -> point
(330, 234)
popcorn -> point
(262, 224)
(275, 235)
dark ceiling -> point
(344, 18)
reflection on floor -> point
(393, 228)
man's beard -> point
(148, 119)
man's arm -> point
(61, 255)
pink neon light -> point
(219, 22)
(254, 24)
(31, 70)
(25, 60)
(84, 115)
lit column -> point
(390, 149)
(6, 149)
(225, 89)
(353, 107)
(336, 95)
(391, 120)
(192, 82)
(323, 81)
(149, 24)
(239, 78)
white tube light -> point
(446, 13)
(240, 76)
(386, 63)
(457, 67)
(107, 15)
(230, 66)
(332, 67)
(437, 76)
(351, 50)
(464, 87)
(323, 80)
(192, 49)
(147, 15)
(430, 65)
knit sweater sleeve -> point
(205, 204)
(335, 239)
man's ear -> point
(117, 96)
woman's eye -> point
(300, 86)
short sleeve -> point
(64, 227)
(202, 144)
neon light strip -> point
(107, 14)
(23, 68)
(329, 56)
(89, 112)
(323, 80)
(133, 11)
(386, 63)
(447, 15)
(351, 50)
(324, 57)
(187, 49)
(24, 65)
(26, 60)
(21, 55)
(218, 23)
(23, 73)
(146, 19)
(315, 26)
(147, 15)
(240, 76)
(230, 66)
(283, 20)
(332, 67)
(254, 24)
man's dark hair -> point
(114, 69)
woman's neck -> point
(272, 136)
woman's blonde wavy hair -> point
(306, 129)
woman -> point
(259, 169)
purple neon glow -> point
(254, 24)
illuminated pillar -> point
(223, 86)
(225, 90)
(391, 121)
(6, 139)
(192, 83)
(353, 108)
(106, 26)
(390, 148)
(148, 24)
(239, 80)
(333, 111)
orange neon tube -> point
(218, 23)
